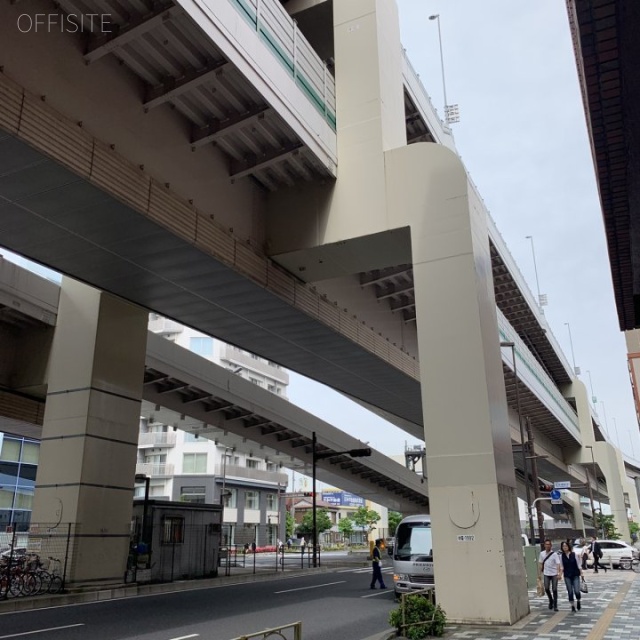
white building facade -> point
(185, 467)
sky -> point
(510, 67)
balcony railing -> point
(154, 470)
(164, 326)
(160, 439)
(236, 471)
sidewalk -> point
(610, 611)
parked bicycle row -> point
(27, 574)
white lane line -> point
(28, 633)
(382, 592)
(193, 635)
(315, 586)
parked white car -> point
(613, 551)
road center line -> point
(315, 586)
(28, 633)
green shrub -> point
(419, 609)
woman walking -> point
(572, 574)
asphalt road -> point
(332, 605)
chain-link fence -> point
(34, 562)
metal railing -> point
(280, 33)
(293, 631)
(154, 470)
(157, 439)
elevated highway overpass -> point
(185, 390)
(190, 158)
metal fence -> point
(34, 561)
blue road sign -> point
(555, 495)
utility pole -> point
(536, 481)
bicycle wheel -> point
(55, 586)
(30, 584)
(635, 565)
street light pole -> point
(535, 270)
(595, 476)
(573, 357)
(525, 468)
(436, 17)
(315, 456)
(141, 477)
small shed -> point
(181, 540)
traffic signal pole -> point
(315, 456)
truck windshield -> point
(414, 540)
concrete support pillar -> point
(90, 432)
(606, 457)
(472, 486)
(578, 519)
(636, 482)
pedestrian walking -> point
(572, 575)
(377, 566)
(303, 543)
(578, 549)
(289, 543)
(596, 552)
(585, 553)
(550, 567)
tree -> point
(605, 523)
(323, 522)
(345, 525)
(290, 525)
(394, 521)
(364, 517)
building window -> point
(254, 356)
(194, 463)
(272, 502)
(202, 346)
(272, 388)
(230, 498)
(256, 381)
(271, 466)
(192, 494)
(252, 464)
(30, 452)
(251, 500)
(172, 530)
(10, 450)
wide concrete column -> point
(578, 519)
(472, 488)
(605, 455)
(90, 432)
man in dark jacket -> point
(596, 552)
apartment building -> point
(185, 467)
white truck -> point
(413, 555)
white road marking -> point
(193, 635)
(28, 633)
(316, 586)
(382, 592)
